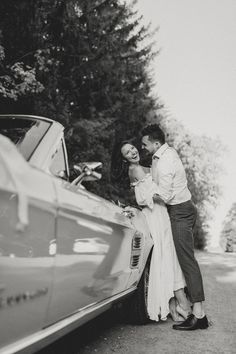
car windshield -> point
(24, 132)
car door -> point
(92, 252)
(27, 228)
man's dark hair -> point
(154, 132)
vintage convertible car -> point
(66, 255)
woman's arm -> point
(142, 193)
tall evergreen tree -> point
(85, 63)
(91, 59)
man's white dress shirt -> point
(169, 174)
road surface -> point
(110, 333)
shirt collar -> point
(160, 151)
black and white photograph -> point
(117, 176)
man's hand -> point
(157, 199)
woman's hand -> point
(128, 211)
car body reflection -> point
(90, 246)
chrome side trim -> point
(32, 339)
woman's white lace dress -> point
(165, 272)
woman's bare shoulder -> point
(136, 173)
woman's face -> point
(130, 153)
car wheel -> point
(137, 305)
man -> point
(169, 174)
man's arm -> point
(164, 180)
(157, 199)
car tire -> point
(137, 304)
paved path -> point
(110, 334)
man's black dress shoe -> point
(192, 323)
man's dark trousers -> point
(183, 217)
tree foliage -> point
(17, 64)
(91, 58)
(17, 79)
(85, 63)
(228, 233)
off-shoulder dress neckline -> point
(135, 183)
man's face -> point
(150, 146)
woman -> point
(166, 281)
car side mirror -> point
(87, 172)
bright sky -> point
(196, 73)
